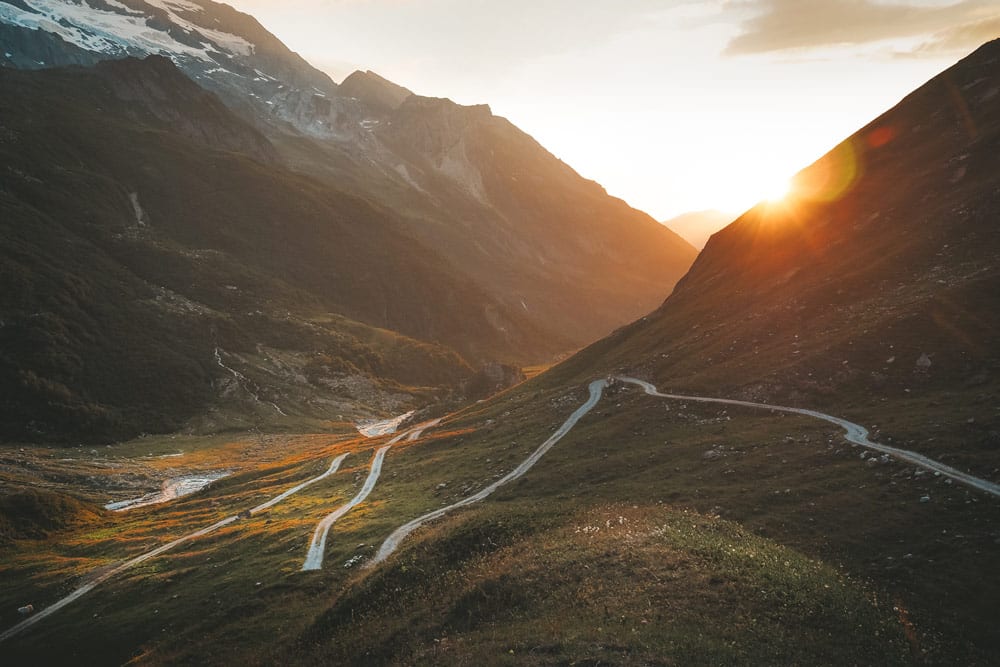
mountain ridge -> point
(436, 189)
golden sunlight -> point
(778, 190)
(750, 188)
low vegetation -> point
(655, 532)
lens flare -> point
(831, 176)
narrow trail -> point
(854, 433)
(94, 583)
(317, 548)
(596, 389)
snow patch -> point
(123, 32)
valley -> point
(688, 457)
(302, 372)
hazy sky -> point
(673, 105)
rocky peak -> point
(374, 90)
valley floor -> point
(650, 531)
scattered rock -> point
(925, 499)
(713, 454)
(924, 362)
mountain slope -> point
(222, 49)
(870, 294)
(486, 197)
(139, 236)
(876, 280)
(535, 230)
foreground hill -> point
(150, 236)
(492, 202)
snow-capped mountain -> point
(536, 236)
(225, 51)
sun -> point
(777, 191)
(749, 189)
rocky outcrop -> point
(378, 93)
(24, 48)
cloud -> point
(783, 25)
(959, 39)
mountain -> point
(522, 225)
(223, 50)
(544, 239)
(870, 294)
(152, 245)
(876, 278)
(577, 519)
(697, 226)
(375, 91)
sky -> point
(672, 105)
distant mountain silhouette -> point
(697, 226)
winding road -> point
(317, 548)
(94, 583)
(398, 535)
(314, 559)
(854, 433)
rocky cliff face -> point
(27, 48)
(154, 88)
(225, 51)
(378, 93)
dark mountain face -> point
(877, 281)
(419, 216)
(525, 227)
(543, 237)
(140, 239)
